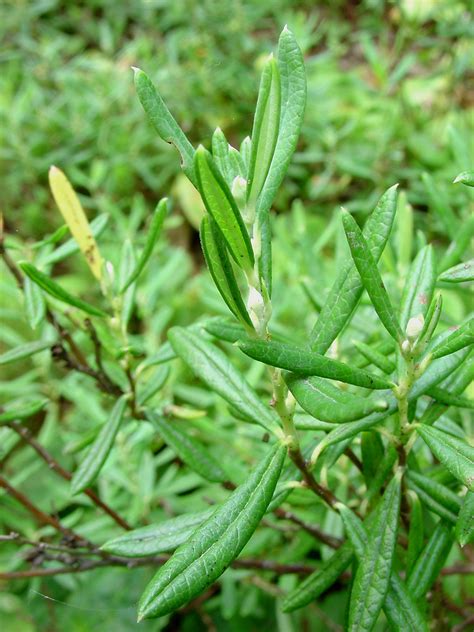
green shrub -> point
(289, 418)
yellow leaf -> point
(74, 216)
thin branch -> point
(42, 517)
(84, 565)
(26, 435)
(321, 491)
(313, 530)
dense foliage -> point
(293, 418)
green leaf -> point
(25, 351)
(153, 233)
(94, 460)
(164, 123)
(461, 241)
(377, 358)
(215, 544)
(319, 581)
(56, 291)
(419, 287)
(400, 610)
(153, 385)
(225, 330)
(35, 305)
(437, 371)
(128, 262)
(430, 561)
(459, 274)
(188, 449)
(372, 452)
(437, 497)
(347, 289)
(157, 538)
(465, 524)
(97, 227)
(456, 455)
(323, 400)
(293, 102)
(220, 153)
(372, 578)
(456, 383)
(440, 205)
(299, 360)
(220, 204)
(404, 231)
(448, 399)
(430, 324)
(416, 531)
(211, 365)
(220, 267)
(265, 129)
(465, 177)
(371, 279)
(21, 411)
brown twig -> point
(26, 435)
(42, 517)
(83, 565)
(313, 530)
(321, 491)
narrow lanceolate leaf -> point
(377, 358)
(220, 267)
(460, 243)
(35, 305)
(71, 246)
(57, 292)
(21, 411)
(430, 324)
(319, 581)
(220, 153)
(371, 279)
(265, 129)
(225, 330)
(416, 531)
(448, 399)
(465, 177)
(215, 544)
(153, 233)
(440, 205)
(431, 560)
(188, 449)
(153, 385)
(347, 289)
(456, 455)
(438, 371)
(419, 287)
(372, 579)
(157, 538)
(457, 384)
(24, 351)
(400, 610)
(293, 102)
(211, 365)
(459, 274)
(164, 123)
(221, 205)
(74, 216)
(299, 360)
(437, 497)
(323, 400)
(465, 523)
(90, 467)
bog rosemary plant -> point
(362, 428)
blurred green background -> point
(388, 101)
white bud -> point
(415, 326)
(239, 188)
